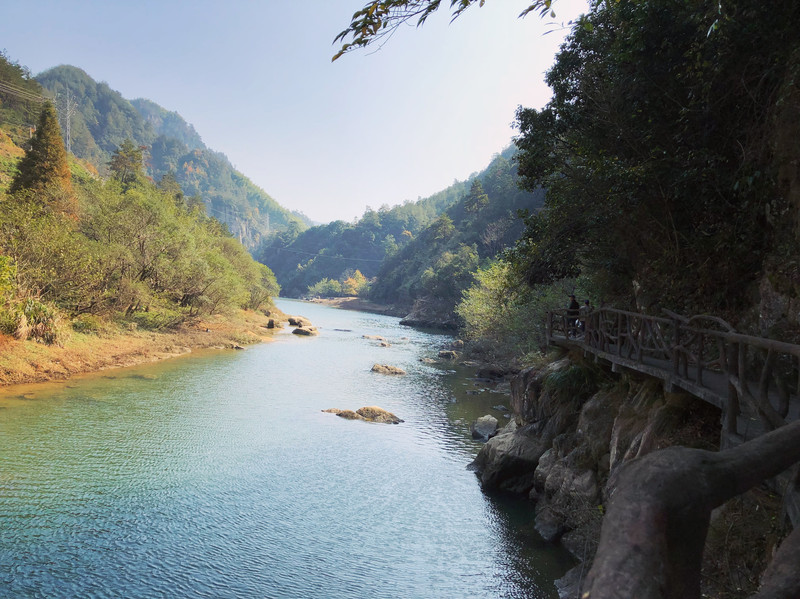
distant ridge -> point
(103, 119)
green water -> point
(219, 476)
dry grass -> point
(29, 361)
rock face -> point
(569, 436)
(368, 414)
(484, 427)
(431, 313)
(386, 369)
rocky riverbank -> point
(574, 424)
(112, 347)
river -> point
(218, 475)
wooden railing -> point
(741, 374)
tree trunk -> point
(651, 542)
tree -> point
(379, 19)
(477, 198)
(127, 163)
(657, 153)
(44, 166)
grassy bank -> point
(30, 361)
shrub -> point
(87, 324)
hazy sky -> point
(255, 79)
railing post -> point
(549, 332)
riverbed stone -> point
(368, 414)
(484, 427)
(306, 330)
(386, 369)
(376, 414)
(509, 459)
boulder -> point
(509, 459)
(367, 414)
(386, 369)
(271, 323)
(484, 427)
(448, 354)
(346, 414)
(376, 414)
(373, 337)
(308, 331)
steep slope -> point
(333, 251)
(103, 119)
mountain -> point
(102, 119)
(430, 247)
(301, 259)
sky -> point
(377, 127)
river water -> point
(218, 475)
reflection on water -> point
(219, 476)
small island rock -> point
(386, 369)
(368, 414)
(306, 330)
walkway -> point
(754, 381)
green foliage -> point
(440, 260)
(8, 274)
(657, 152)
(380, 18)
(302, 258)
(574, 383)
(504, 317)
(127, 163)
(32, 319)
(44, 165)
(106, 122)
(88, 324)
(325, 288)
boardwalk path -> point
(754, 381)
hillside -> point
(405, 245)
(102, 120)
(301, 259)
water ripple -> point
(219, 476)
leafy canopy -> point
(379, 19)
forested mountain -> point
(301, 259)
(441, 262)
(81, 253)
(404, 245)
(96, 120)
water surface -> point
(220, 476)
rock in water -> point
(386, 369)
(306, 330)
(484, 427)
(368, 414)
(376, 414)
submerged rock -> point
(386, 369)
(368, 414)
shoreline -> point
(25, 362)
(358, 304)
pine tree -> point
(44, 166)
